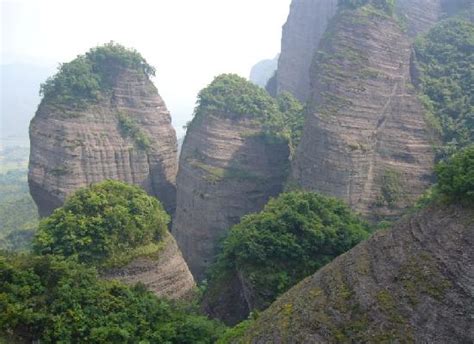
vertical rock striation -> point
(365, 138)
(72, 147)
(306, 24)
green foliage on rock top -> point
(387, 6)
(456, 176)
(231, 96)
(295, 235)
(101, 224)
(445, 58)
(89, 76)
(53, 300)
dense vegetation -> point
(295, 235)
(89, 76)
(445, 59)
(103, 224)
(456, 176)
(60, 301)
(231, 96)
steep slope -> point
(365, 138)
(231, 163)
(306, 24)
(165, 273)
(122, 130)
(413, 283)
(419, 15)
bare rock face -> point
(306, 24)
(227, 169)
(166, 273)
(418, 15)
(71, 148)
(414, 283)
(365, 139)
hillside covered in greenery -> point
(445, 58)
(88, 77)
(106, 224)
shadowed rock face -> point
(227, 169)
(365, 139)
(414, 283)
(306, 24)
(73, 148)
(418, 15)
(166, 274)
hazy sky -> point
(188, 41)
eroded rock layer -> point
(165, 273)
(71, 148)
(306, 24)
(413, 284)
(418, 16)
(365, 139)
(228, 168)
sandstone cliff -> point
(414, 283)
(228, 167)
(126, 134)
(165, 273)
(365, 138)
(306, 24)
(418, 15)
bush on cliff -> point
(87, 77)
(231, 96)
(445, 59)
(456, 176)
(295, 235)
(52, 300)
(103, 223)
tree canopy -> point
(231, 96)
(295, 235)
(89, 76)
(52, 300)
(101, 223)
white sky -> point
(189, 42)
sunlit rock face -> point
(365, 139)
(72, 148)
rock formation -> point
(306, 25)
(263, 71)
(365, 138)
(228, 168)
(165, 273)
(414, 283)
(72, 147)
(418, 15)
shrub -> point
(295, 235)
(231, 96)
(456, 176)
(102, 222)
(49, 300)
(89, 76)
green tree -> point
(101, 222)
(52, 300)
(456, 176)
(295, 235)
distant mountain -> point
(20, 84)
(263, 71)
